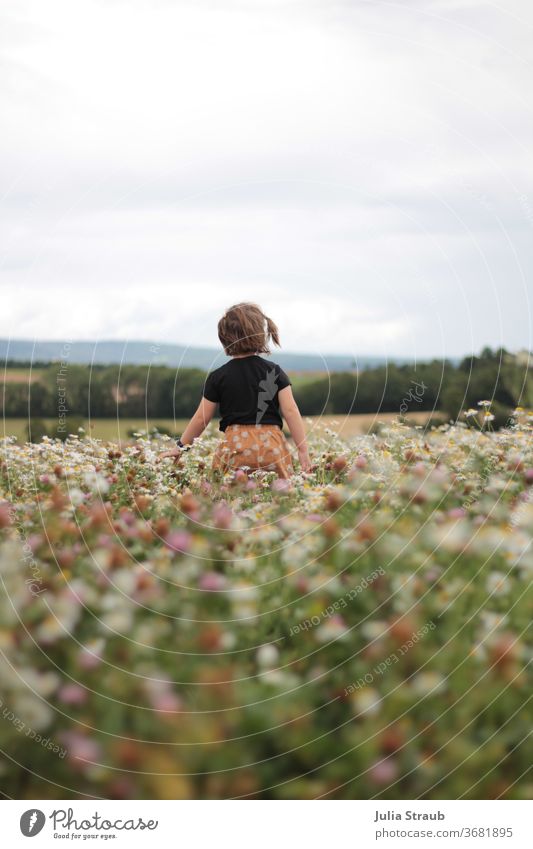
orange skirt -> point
(255, 447)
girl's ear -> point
(273, 331)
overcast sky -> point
(361, 169)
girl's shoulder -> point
(220, 370)
(269, 364)
(274, 372)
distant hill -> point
(108, 352)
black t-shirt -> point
(246, 390)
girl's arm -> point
(291, 414)
(197, 425)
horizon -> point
(283, 351)
(215, 346)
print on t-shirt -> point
(267, 392)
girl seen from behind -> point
(254, 395)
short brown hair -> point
(245, 329)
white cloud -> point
(368, 162)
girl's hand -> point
(175, 452)
(305, 460)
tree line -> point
(134, 391)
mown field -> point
(119, 430)
(362, 631)
(21, 375)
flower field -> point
(360, 631)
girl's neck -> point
(242, 356)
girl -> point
(253, 395)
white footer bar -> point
(268, 824)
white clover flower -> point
(267, 656)
(491, 621)
(33, 711)
(374, 630)
(101, 558)
(124, 580)
(522, 515)
(279, 678)
(428, 682)
(366, 701)
(244, 592)
(119, 618)
(44, 684)
(228, 641)
(332, 629)
(76, 496)
(451, 536)
(498, 583)
(96, 482)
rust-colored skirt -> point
(255, 447)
